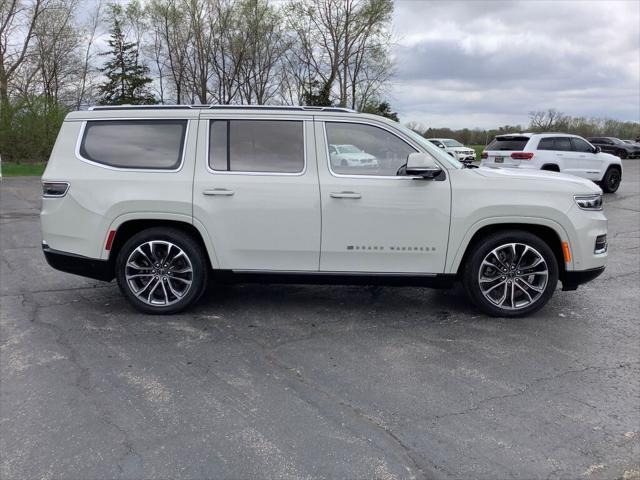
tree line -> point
(550, 120)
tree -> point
(544, 121)
(127, 80)
(383, 109)
(341, 43)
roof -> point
(222, 107)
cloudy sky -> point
(483, 64)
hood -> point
(535, 177)
(356, 156)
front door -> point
(374, 220)
(256, 191)
(590, 163)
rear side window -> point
(508, 143)
(545, 144)
(562, 144)
(138, 144)
(266, 146)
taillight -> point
(484, 155)
(522, 155)
(54, 189)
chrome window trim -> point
(257, 173)
(134, 169)
(375, 125)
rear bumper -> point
(79, 265)
(571, 280)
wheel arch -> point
(551, 234)
(127, 227)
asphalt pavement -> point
(280, 381)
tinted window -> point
(508, 143)
(374, 151)
(562, 144)
(275, 146)
(155, 144)
(579, 145)
(545, 144)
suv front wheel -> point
(511, 274)
(161, 271)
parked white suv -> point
(165, 198)
(455, 149)
(556, 152)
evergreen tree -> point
(383, 109)
(127, 79)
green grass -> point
(22, 169)
(478, 149)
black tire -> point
(622, 154)
(611, 180)
(483, 248)
(194, 258)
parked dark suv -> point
(616, 146)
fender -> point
(454, 262)
(118, 221)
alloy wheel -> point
(159, 273)
(513, 276)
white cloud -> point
(483, 64)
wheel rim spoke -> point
(159, 273)
(513, 276)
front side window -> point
(361, 149)
(136, 144)
(263, 146)
(580, 145)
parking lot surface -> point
(315, 382)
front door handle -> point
(219, 191)
(345, 195)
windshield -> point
(348, 149)
(452, 143)
(430, 147)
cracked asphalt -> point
(315, 382)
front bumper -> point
(571, 280)
(78, 264)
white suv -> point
(556, 152)
(165, 198)
(455, 149)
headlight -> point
(589, 202)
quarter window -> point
(268, 146)
(137, 144)
(358, 149)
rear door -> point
(256, 190)
(567, 158)
(500, 149)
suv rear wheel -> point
(611, 180)
(161, 271)
(511, 274)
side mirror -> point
(422, 165)
(441, 145)
(597, 149)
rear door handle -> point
(345, 195)
(223, 192)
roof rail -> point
(222, 107)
